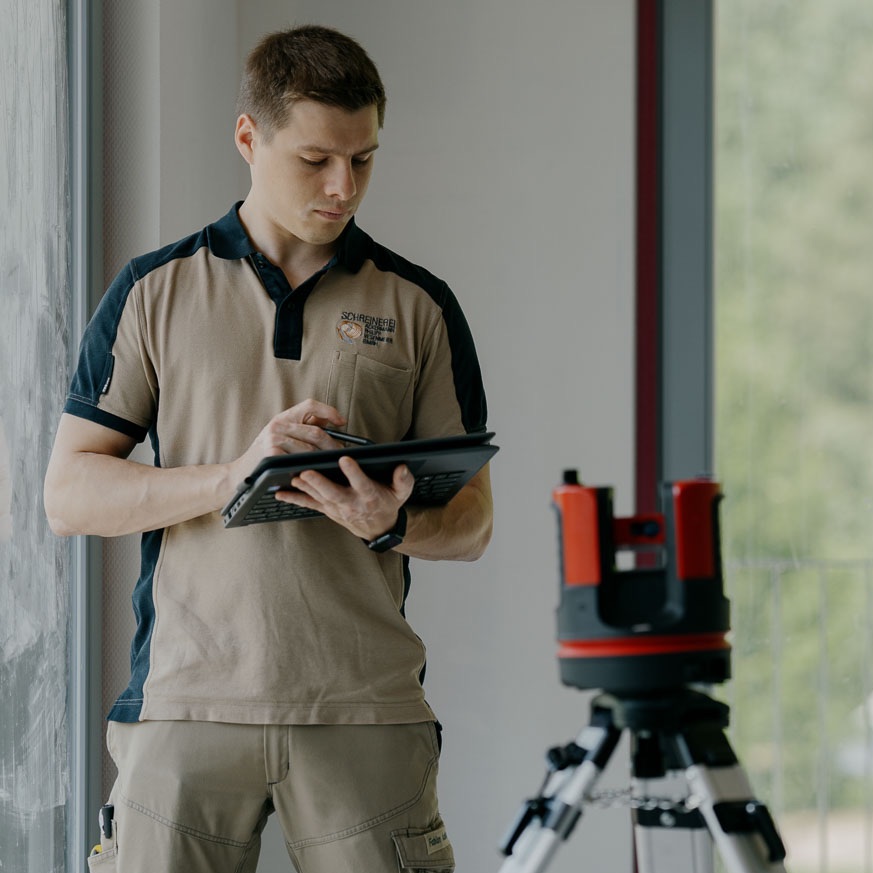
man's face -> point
(310, 177)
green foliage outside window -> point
(794, 389)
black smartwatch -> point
(391, 538)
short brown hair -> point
(308, 62)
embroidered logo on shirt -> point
(368, 329)
(348, 330)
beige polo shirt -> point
(198, 346)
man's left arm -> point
(458, 531)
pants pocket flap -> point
(425, 850)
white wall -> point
(506, 167)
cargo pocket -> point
(420, 850)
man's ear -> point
(244, 137)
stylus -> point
(347, 437)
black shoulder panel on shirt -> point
(465, 363)
(94, 369)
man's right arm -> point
(91, 487)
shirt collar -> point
(228, 239)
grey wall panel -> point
(131, 131)
(34, 355)
(686, 221)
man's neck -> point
(297, 258)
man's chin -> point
(323, 233)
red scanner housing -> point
(659, 624)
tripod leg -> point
(669, 840)
(741, 826)
(549, 819)
(667, 836)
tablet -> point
(441, 467)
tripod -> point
(676, 730)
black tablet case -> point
(441, 467)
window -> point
(794, 411)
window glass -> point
(34, 355)
(794, 411)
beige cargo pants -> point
(193, 797)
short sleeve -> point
(114, 383)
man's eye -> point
(360, 162)
(313, 162)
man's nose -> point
(341, 181)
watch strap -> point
(391, 538)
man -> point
(272, 666)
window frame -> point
(85, 631)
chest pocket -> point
(375, 398)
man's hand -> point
(365, 507)
(298, 429)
